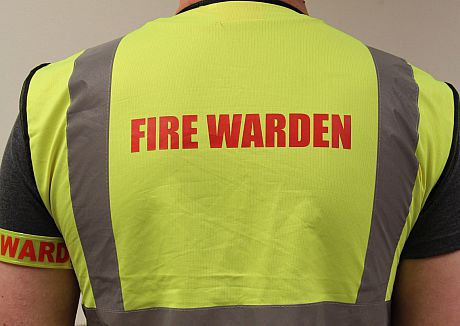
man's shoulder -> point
(45, 77)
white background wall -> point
(426, 33)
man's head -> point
(299, 4)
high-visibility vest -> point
(237, 164)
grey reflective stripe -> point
(87, 141)
(397, 167)
(316, 314)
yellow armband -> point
(34, 251)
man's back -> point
(239, 163)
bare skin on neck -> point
(299, 4)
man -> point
(239, 163)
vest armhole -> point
(23, 104)
(25, 128)
(452, 159)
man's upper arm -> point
(427, 292)
(37, 283)
(37, 296)
(427, 288)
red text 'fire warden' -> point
(243, 131)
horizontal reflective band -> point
(318, 314)
(34, 251)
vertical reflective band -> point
(397, 167)
(87, 141)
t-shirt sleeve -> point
(29, 235)
(437, 230)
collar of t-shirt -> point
(208, 2)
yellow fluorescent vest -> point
(239, 163)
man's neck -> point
(299, 4)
